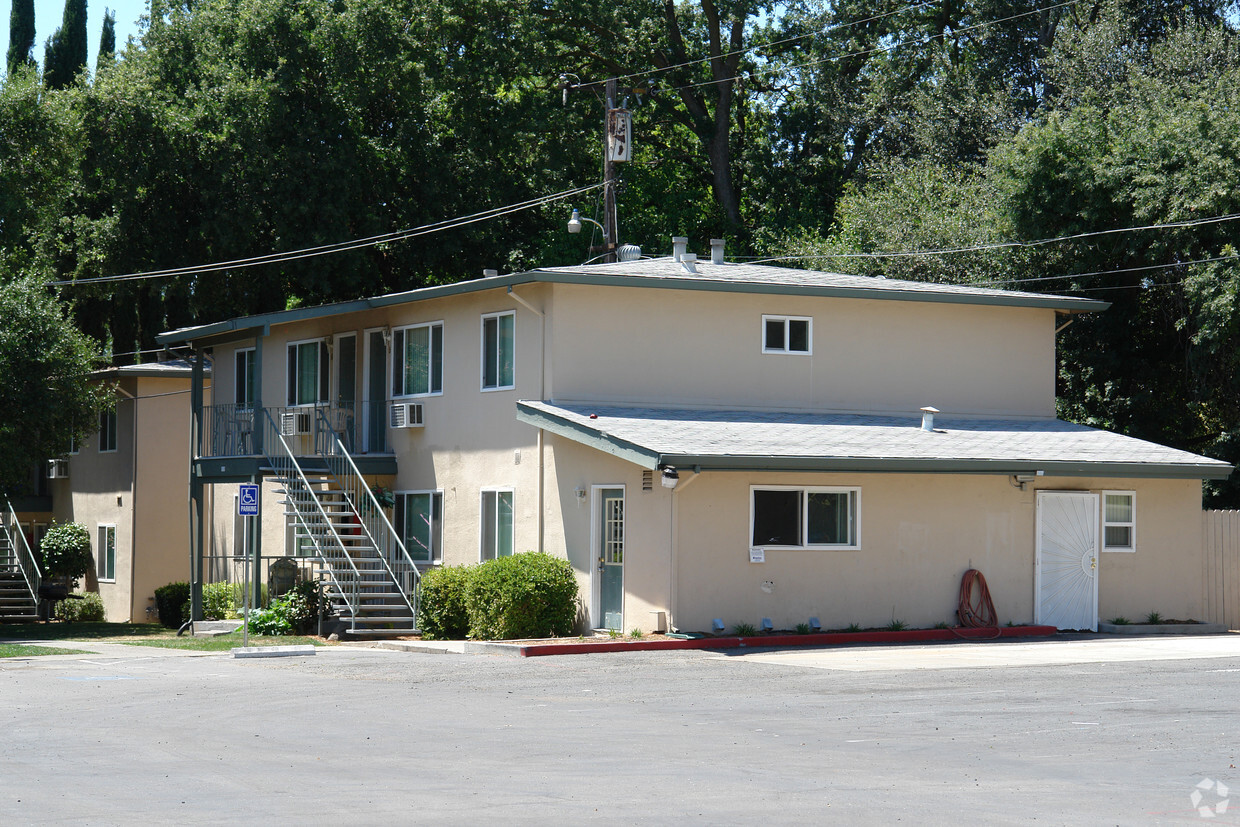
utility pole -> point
(609, 175)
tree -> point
(65, 552)
(64, 55)
(46, 391)
(21, 36)
(107, 41)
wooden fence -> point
(1221, 535)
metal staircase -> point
(19, 572)
(369, 574)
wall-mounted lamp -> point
(669, 477)
(386, 333)
(580, 494)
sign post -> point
(247, 506)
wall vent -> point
(647, 480)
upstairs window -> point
(244, 378)
(419, 519)
(417, 366)
(786, 334)
(805, 518)
(107, 431)
(1119, 521)
(497, 350)
(307, 373)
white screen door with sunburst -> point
(1066, 587)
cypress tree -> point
(65, 53)
(21, 35)
(107, 40)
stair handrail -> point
(362, 500)
(26, 561)
(280, 465)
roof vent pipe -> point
(679, 245)
(486, 274)
(716, 251)
(688, 261)
(927, 418)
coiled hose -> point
(976, 609)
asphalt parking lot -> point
(1054, 732)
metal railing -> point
(303, 499)
(374, 521)
(22, 554)
(230, 430)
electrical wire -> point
(338, 247)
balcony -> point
(229, 431)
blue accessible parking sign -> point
(247, 502)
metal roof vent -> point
(486, 274)
(679, 245)
(688, 262)
(927, 418)
(628, 252)
(716, 250)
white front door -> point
(1066, 579)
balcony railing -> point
(229, 430)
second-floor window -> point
(417, 363)
(245, 378)
(107, 431)
(497, 350)
(308, 378)
(786, 334)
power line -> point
(338, 247)
(1143, 268)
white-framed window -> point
(1119, 521)
(105, 554)
(497, 529)
(107, 431)
(419, 519)
(792, 517)
(417, 360)
(498, 347)
(243, 378)
(787, 334)
(308, 377)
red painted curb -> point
(822, 638)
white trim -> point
(785, 350)
(482, 492)
(1132, 525)
(398, 359)
(805, 490)
(482, 358)
(596, 551)
(99, 553)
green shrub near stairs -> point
(87, 610)
(442, 614)
(528, 595)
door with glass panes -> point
(609, 553)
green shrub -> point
(442, 613)
(169, 602)
(523, 596)
(219, 601)
(744, 630)
(272, 621)
(87, 610)
(239, 590)
(65, 550)
(294, 613)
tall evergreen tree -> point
(65, 54)
(107, 40)
(21, 35)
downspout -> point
(195, 488)
(674, 545)
(542, 373)
(133, 505)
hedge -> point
(442, 614)
(528, 595)
(169, 601)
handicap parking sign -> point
(247, 503)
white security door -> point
(1066, 582)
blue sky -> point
(48, 13)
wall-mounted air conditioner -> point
(58, 469)
(294, 423)
(407, 415)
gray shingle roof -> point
(774, 440)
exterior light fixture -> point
(669, 477)
(574, 223)
(581, 495)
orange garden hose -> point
(976, 610)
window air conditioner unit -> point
(407, 415)
(58, 469)
(294, 423)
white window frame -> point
(109, 425)
(482, 510)
(809, 335)
(241, 361)
(482, 340)
(436, 556)
(1131, 525)
(805, 490)
(398, 360)
(322, 391)
(101, 560)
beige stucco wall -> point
(703, 348)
